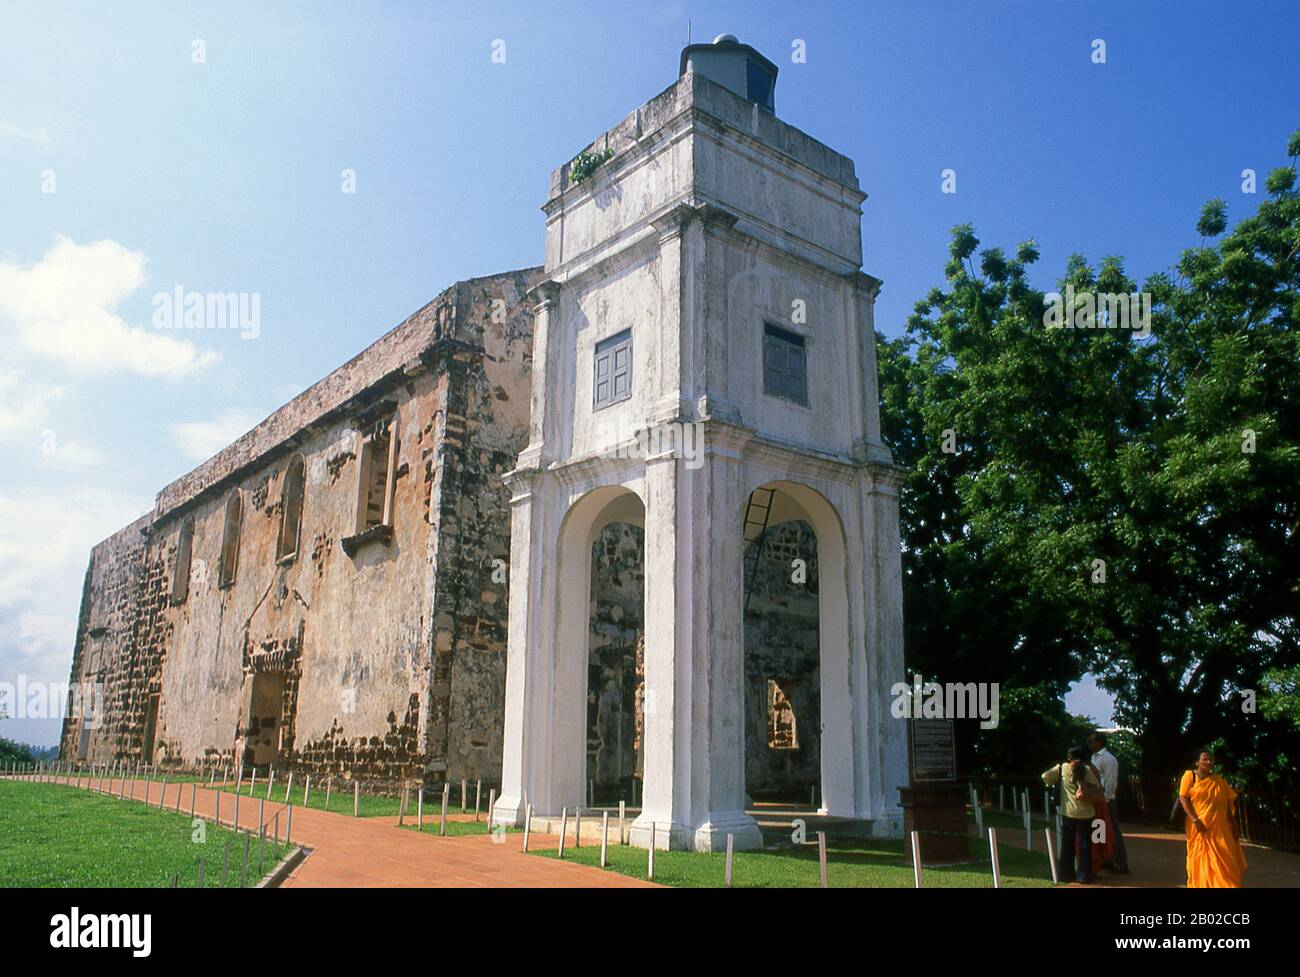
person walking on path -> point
(1080, 790)
(1108, 767)
(1214, 856)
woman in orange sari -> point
(1214, 856)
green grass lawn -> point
(340, 799)
(340, 796)
(96, 776)
(57, 836)
(454, 828)
(851, 863)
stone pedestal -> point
(938, 812)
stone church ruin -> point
(440, 563)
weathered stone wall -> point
(341, 633)
(331, 651)
(484, 426)
(119, 605)
(432, 324)
(781, 645)
(616, 659)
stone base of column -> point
(712, 834)
(709, 836)
(847, 814)
(667, 834)
(507, 810)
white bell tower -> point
(704, 282)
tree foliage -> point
(1117, 504)
(12, 752)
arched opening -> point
(782, 661)
(595, 753)
(798, 725)
(229, 562)
(291, 510)
(184, 554)
(616, 665)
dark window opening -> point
(265, 728)
(181, 571)
(759, 84)
(291, 510)
(150, 729)
(378, 470)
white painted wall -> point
(711, 218)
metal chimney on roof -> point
(735, 66)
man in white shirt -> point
(1108, 767)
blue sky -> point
(226, 176)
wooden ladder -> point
(758, 511)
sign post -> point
(934, 803)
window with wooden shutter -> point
(613, 370)
(785, 368)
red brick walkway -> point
(1158, 857)
(374, 852)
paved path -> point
(1158, 858)
(374, 852)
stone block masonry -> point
(353, 624)
(329, 593)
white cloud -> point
(45, 543)
(39, 138)
(25, 422)
(24, 405)
(200, 440)
(62, 307)
(75, 456)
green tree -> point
(1091, 500)
(11, 752)
(1034, 731)
(1280, 697)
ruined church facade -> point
(454, 558)
(328, 592)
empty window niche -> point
(90, 700)
(150, 728)
(184, 554)
(376, 480)
(760, 83)
(782, 731)
(229, 561)
(785, 364)
(291, 510)
(613, 372)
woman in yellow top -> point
(1214, 856)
